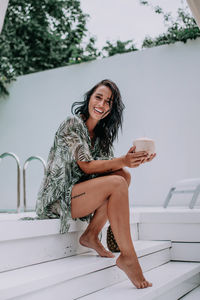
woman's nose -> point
(102, 103)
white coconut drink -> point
(144, 144)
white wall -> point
(3, 8)
(160, 88)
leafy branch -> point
(181, 28)
(40, 35)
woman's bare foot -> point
(133, 270)
(91, 241)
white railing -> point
(24, 174)
(5, 154)
(185, 186)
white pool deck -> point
(37, 262)
(135, 212)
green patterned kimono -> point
(71, 143)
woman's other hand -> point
(149, 158)
(133, 159)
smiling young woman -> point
(85, 181)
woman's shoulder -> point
(71, 123)
(70, 120)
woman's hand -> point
(133, 159)
(149, 158)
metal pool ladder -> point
(18, 175)
(185, 186)
(24, 173)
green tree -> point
(181, 28)
(42, 34)
(118, 47)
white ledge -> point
(19, 229)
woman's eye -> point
(107, 101)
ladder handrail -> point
(5, 154)
(18, 174)
(186, 186)
(24, 173)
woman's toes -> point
(110, 254)
(149, 283)
(145, 284)
(138, 285)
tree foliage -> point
(42, 34)
(118, 47)
(181, 28)
(45, 34)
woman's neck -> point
(91, 124)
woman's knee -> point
(117, 182)
(117, 185)
(125, 174)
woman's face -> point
(100, 103)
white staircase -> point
(36, 262)
(194, 294)
(170, 281)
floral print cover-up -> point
(71, 143)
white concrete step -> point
(193, 295)
(176, 224)
(75, 276)
(185, 251)
(41, 239)
(170, 282)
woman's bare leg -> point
(90, 237)
(124, 173)
(86, 200)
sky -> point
(126, 19)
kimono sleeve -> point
(72, 137)
(106, 156)
(111, 153)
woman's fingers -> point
(141, 153)
(152, 156)
(136, 162)
(143, 160)
(134, 159)
(137, 159)
(132, 149)
(137, 154)
(148, 159)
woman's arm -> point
(131, 160)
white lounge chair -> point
(185, 186)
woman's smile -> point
(98, 111)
